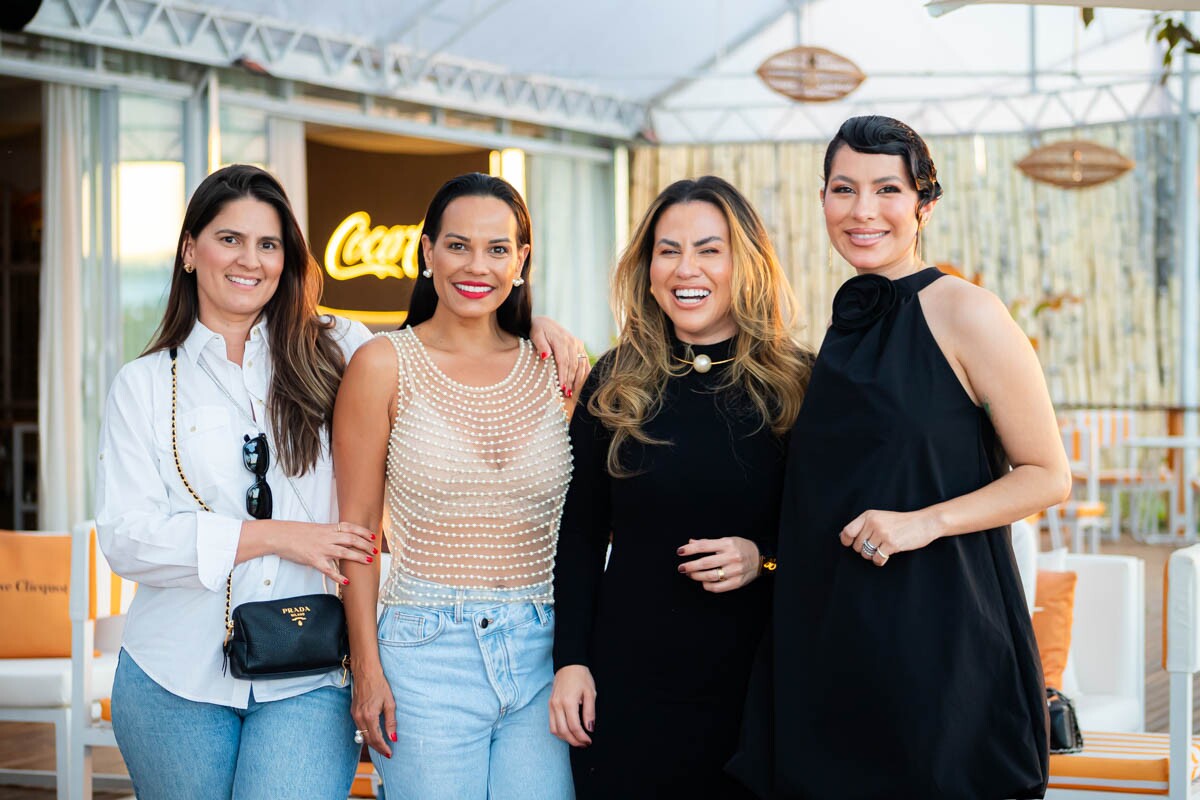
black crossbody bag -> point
(1065, 736)
(273, 639)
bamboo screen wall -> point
(1091, 275)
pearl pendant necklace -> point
(702, 363)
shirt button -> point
(267, 582)
(249, 363)
(483, 623)
(193, 429)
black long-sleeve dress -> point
(918, 680)
(670, 660)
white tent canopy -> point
(673, 70)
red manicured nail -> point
(345, 581)
(681, 569)
(374, 551)
(679, 551)
(544, 355)
(569, 392)
(591, 726)
(389, 755)
(372, 537)
(370, 560)
(392, 736)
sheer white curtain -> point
(571, 202)
(286, 149)
(61, 460)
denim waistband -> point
(414, 591)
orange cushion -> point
(362, 780)
(1054, 612)
(35, 573)
(1120, 762)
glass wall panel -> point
(150, 205)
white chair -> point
(1129, 766)
(39, 690)
(1106, 665)
(1084, 512)
(99, 600)
(1123, 474)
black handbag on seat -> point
(1065, 736)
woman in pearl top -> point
(455, 428)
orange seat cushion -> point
(362, 780)
(35, 575)
(1053, 614)
(1120, 762)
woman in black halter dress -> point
(904, 663)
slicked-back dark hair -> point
(890, 137)
(515, 314)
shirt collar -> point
(201, 337)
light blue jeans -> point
(176, 749)
(472, 688)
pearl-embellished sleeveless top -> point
(476, 477)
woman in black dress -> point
(904, 663)
(678, 439)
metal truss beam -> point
(217, 38)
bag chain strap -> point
(192, 492)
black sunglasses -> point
(256, 456)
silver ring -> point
(870, 549)
(720, 574)
(358, 737)
(582, 355)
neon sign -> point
(357, 249)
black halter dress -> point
(919, 679)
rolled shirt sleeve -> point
(143, 537)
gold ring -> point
(720, 574)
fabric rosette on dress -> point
(861, 301)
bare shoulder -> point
(374, 361)
(963, 309)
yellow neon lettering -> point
(356, 249)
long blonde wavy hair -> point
(769, 368)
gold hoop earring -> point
(188, 268)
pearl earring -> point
(518, 281)
(427, 272)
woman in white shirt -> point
(252, 359)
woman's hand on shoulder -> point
(569, 351)
(372, 698)
(729, 563)
(573, 705)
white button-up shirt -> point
(153, 532)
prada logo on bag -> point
(298, 614)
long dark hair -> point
(307, 364)
(890, 137)
(515, 314)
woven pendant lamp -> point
(1074, 164)
(811, 74)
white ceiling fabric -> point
(691, 63)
